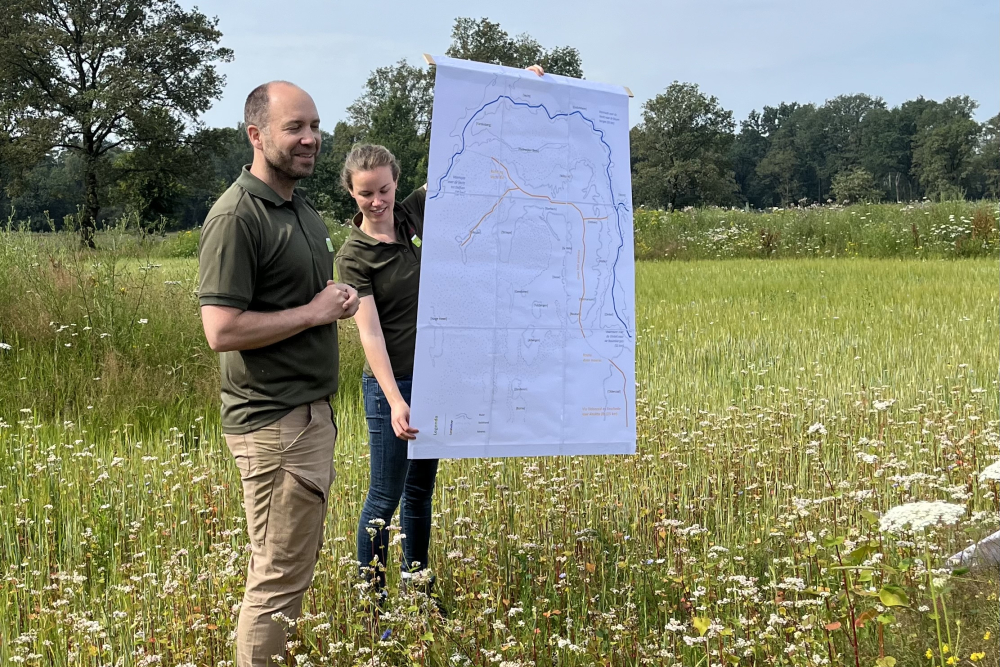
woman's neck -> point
(379, 230)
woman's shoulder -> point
(413, 205)
(352, 246)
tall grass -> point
(926, 230)
(115, 334)
(783, 407)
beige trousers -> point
(287, 469)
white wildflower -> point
(991, 473)
(817, 428)
(5, 346)
(917, 516)
(675, 626)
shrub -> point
(182, 244)
(855, 185)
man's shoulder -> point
(234, 201)
(232, 213)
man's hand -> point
(228, 329)
(351, 305)
(331, 303)
(401, 421)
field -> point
(922, 230)
(784, 407)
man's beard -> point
(284, 164)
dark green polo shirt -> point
(390, 272)
(259, 252)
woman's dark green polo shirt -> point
(390, 272)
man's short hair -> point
(255, 111)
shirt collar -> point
(358, 234)
(259, 188)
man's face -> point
(292, 139)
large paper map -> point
(526, 323)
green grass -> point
(925, 230)
(123, 538)
(922, 231)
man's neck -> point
(281, 184)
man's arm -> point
(228, 329)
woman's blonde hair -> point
(367, 157)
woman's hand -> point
(537, 69)
(401, 421)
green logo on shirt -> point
(415, 240)
(329, 244)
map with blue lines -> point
(526, 321)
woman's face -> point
(375, 193)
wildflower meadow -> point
(817, 436)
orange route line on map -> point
(584, 218)
(518, 188)
(583, 275)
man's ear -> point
(253, 134)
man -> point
(269, 306)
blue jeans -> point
(393, 478)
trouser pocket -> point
(308, 486)
(307, 447)
(295, 520)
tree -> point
(855, 185)
(986, 165)
(886, 152)
(945, 146)
(392, 126)
(47, 193)
(843, 123)
(748, 149)
(94, 75)
(230, 152)
(792, 168)
(680, 150)
(20, 147)
(486, 42)
(163, 178)
(414, 85)
(323, 187)
(780, 168)
(395, 111)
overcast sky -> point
(748, 53)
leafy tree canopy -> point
(680, 149)
(91, 76)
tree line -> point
(100, 101)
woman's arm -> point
(378, 358)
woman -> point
(381, 260)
